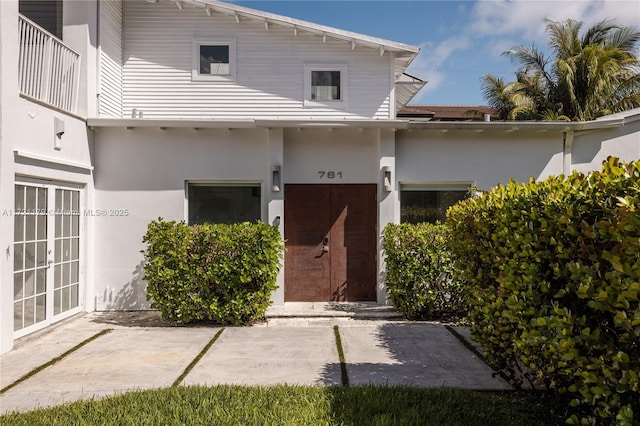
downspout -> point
(567, 143)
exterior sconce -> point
(58, 129)
(386, 179)
(275, 178)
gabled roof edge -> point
(255, 14)
(403, 54)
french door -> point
(46, 253)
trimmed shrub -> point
(420, 275)
(554, 276)
(221, 273)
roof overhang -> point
(513, 126)
(628, 116)
(403, 54)
(607, 122)
(140, 123)
(407, 86)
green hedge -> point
(553, 269)
(420, 279)
(222, 273)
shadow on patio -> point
(414, 354)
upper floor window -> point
(325, 85)
(46, 13)
(214, 60)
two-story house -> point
(114, 113)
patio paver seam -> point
(343, 363)
(198, 357)
(54, 360)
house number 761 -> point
(329, 174)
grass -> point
(298, 405)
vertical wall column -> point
(9, 45)
(387, 200)
(80, 32)
(567, 145)
(274, 190)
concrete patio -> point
(141, 351)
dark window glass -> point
(46, 13)
(214, 60)
(223, 204)
(325, 85)
(427, 206)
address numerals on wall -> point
(329, 174)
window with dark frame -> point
(417, 206)
(223, 204)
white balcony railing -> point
(48, 70)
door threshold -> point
(360, 310)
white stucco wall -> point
(350, 153)
(144, 172)
(28, 152)
(484, 159)
(80, 32)
(8, 96)
(35, 133)
(591, 148)
(388, 207)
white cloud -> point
(494, 26)
(432, 57)
(499, 25)
(526, 19)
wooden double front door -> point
(330, 233)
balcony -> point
(48, 71)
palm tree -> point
(587, 77)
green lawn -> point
(299, 405)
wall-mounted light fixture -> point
(275, 178)
(58, 130)
(386, 179)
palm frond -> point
(624, 38)
(590, 74)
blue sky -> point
(460, 41)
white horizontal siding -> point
(111, 58)
(269, 69)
